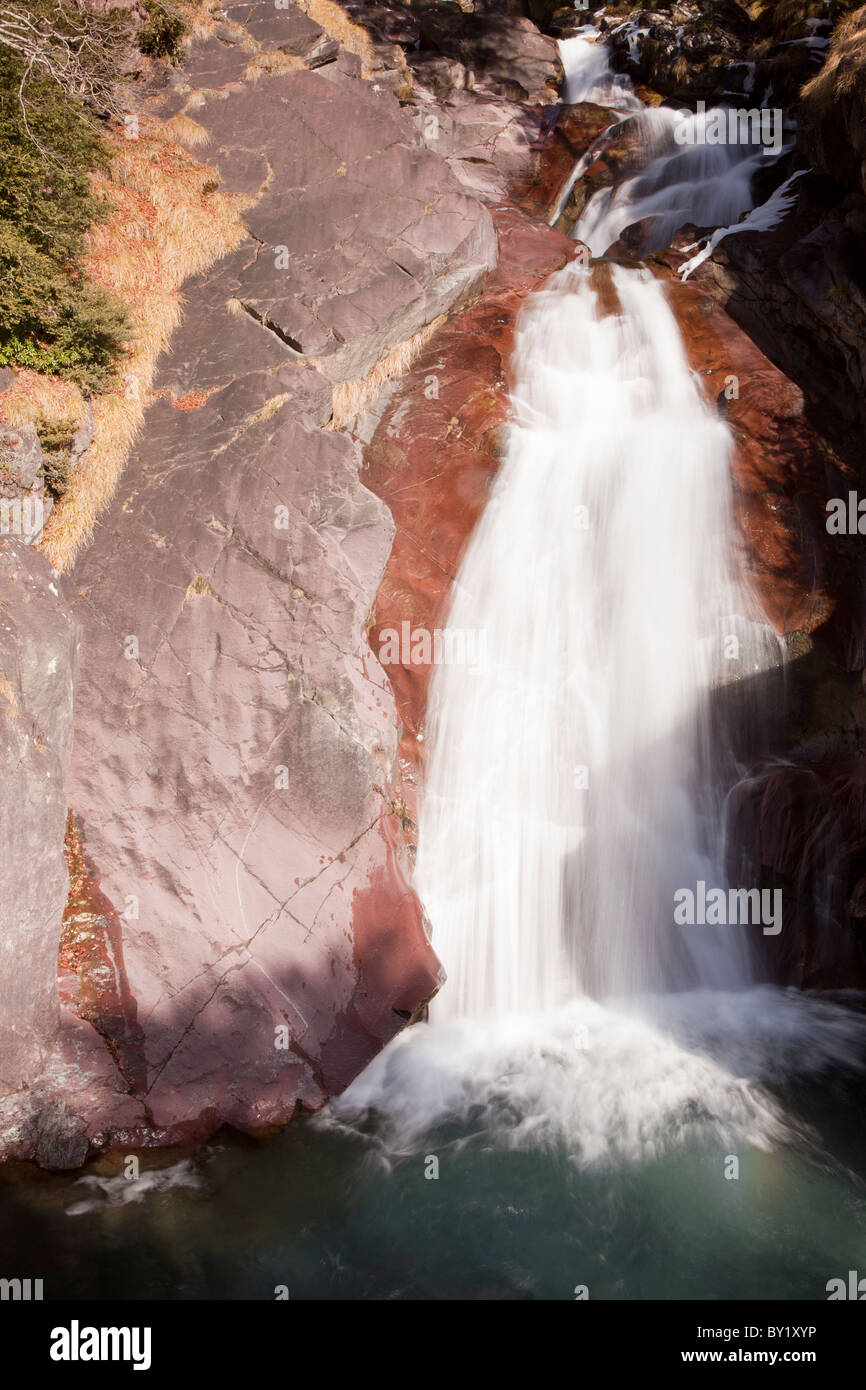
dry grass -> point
(272, 64)
(200, 16)
(352, 398)
(197, 588)
(163, 228)
(34, 397)
(188, 131)
(168, 222)
(337, 25)
(844, 70)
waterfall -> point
(588, 75)
(572, 779)
(575, 782)
(709, 185)
(605, 652)
(685, 173)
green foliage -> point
(56, 437)
(162, 31)
(52, 318)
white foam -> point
(120, 1190)
(606, 1084)
(705, 184)
(761, 219)
(589, 77)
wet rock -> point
(780, 461)
(435, 452)
(715, 52)
(60, 1138)
(557, 151)
(800, 830)
(798, 292)
(684, 51)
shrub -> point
(56, 437)
(52, 318)
(161, 34)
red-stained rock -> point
(436, 450)
(233, 772)
(555, 155)
(780, 461)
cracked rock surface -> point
(38, 653)
(242, 937)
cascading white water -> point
(569, 790)
(588, 76)
(685, 173)
(577, 774)
(709, 185)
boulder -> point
(720, 51)
(495, 48)
(24, 507)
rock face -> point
(361, 237)
(24, 504)
(494, 48)
(798, 292)
(795, 822)
(235, 736)
(38, 649)
(832, 131)
(456, 392)
(780, 463)
(241, 937)
(718, 50)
